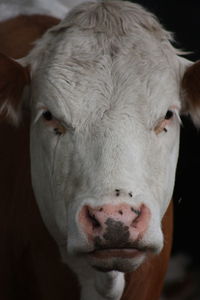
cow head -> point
(106, 92)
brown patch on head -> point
(14, 77)
(18, 34)
(17, 37)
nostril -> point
(91, 217)
(136, 211)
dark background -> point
(183, 19)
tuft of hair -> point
(191, 92)
(112, 20)
(114, 17)
(14, 78)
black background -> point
(183, 19)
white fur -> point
(109, 78)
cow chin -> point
(117, 263)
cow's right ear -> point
(191, 92)
(13, 78)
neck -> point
(95, 284)
(103, 286)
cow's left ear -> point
(13, 79)
(191, 92)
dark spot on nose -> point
(101, 209)
(116, 232)
(117, 235)
(130, 194)
(120, 212)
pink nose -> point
(114, 226)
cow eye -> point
(164, 123)
(169, 115)
(47, 115)
(52, 123)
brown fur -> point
(17, 35)
(191, 87)
(29, 258)
(14, 77)
(146, 283)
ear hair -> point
(13, 79)
(191, 92)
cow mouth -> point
(118, 253)
(117, 259)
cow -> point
(98, 100)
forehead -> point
(124, 66)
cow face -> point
(105, 103)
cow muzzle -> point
(114, 231)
